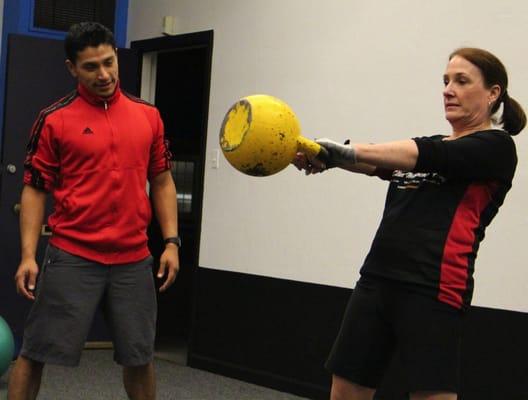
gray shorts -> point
(69, 290)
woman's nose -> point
(448, 91)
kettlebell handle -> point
(313, 149)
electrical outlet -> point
(215, 159)
(168, 25)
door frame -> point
(182, 42)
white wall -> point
(366, 70)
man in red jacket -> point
(94, 151)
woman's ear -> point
(495, 92)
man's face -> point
(96, 69)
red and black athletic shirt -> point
(436, 215)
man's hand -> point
(26, 278)
(169, 265)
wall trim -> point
(277, 333)
(259, 377)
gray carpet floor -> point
(99, 378)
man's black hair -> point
(86, 34)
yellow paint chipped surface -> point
(236, 125)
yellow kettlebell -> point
(260, 136)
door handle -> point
(16, 208)
(11, 168)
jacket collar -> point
(97, 100)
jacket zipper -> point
(114, 157)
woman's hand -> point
(310, 166)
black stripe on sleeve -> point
(36, 176)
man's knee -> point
(28, 364)
(142, 372)
(143, 367)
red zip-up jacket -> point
(95, 155)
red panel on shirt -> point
(459, 244)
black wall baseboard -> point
(278, 333)
(267, 328)
(259, 377)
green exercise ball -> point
(7, 346)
